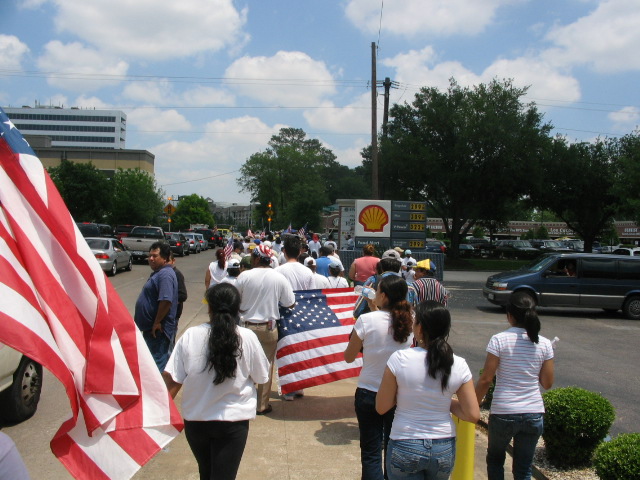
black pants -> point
(217, 446)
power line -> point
(199, 179)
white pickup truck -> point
(140, 239)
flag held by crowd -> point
(57, 307)
(228, 249)
(312, 338)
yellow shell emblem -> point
(373, 218)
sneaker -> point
(299, 394)
(288, 397)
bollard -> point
(465, 450)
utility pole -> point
(374, 126)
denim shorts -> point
(415, 459)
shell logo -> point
(373, 218)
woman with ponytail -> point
(521, 360)
(219, 364)
(217, 270)
(420, 382)
(377, 334)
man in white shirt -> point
(263, 290)
(299, 276)
(320, 280)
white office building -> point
(72, 127)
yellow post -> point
(465, 450)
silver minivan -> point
(583, 280)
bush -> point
(575, 422)
(619, 459)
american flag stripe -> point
(57, 307)
(313, 337)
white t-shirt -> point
(235, 398)
(321, 281)
(262, 289)
(422, 407)
(378, 345)
(299, 276)
(314, 247)
(337, 282)
(229, 279)
(517, 378)
(217, 274)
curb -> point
(535, 472)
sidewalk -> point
(315, 437)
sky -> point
(206, 83)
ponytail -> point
(221, 258)
(435, 321)
(523, 309)
(224, 344)
(395, 288)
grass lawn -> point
(484, 264)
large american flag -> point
(312, 339)
(58, 308)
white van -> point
(20, 385)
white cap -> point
(309, 261)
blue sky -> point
(205, 83)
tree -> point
(579, 186)
(467, 152)
(627, 149)
(136, 198)
(192, 209)
(85, 189)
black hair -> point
(165, 249)
(224, 343)
(325, 251)
(334, 271)
(523, 309)
(390, 265)
(395, 288)
(435, 320)
(221, 257)
(292, 246)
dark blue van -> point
(584, 280)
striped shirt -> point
(517, 385)
(426, 288)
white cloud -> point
(350, 156)
(152, 29)
(91, 102)
(287, 79)
(420, 68)
(157, 122)
(626, 118)
(76, 67)
(12, 50)
(424, 17)
(211, 163)
(31, 4)
(353, 118)
(162, 93)
(607, 39)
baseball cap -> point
(334, 263)
(267, 243)
(233, 263)
(262, 251)
(391, 254)
(309, 261)
(411, 263)
(398, 249)
(407, 252)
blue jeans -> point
(160, 348)
(426, 459)
(374, 434)
(525, 429)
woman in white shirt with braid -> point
(420, 382)
(521, 360)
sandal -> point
(269, 409)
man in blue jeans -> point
(157, 305)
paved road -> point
(597, 351)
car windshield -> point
(98, 244)
(540, 263)
(521, 243)
(553, 244)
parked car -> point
(466, 250)
(194, 243)
(633, 252)
(122, 231)
(610, 282)
(435, 246)
(20, 385)
(550, 246)
(210, 236)
(574, 244)
(178, 242)
(204, 244)
(140, 240)
(516, 249)
(88, 229)
(111, 254)
(610, 248)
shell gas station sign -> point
(373, 218)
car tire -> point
(20, 401)
(130, 264)
(524, 293)
(114, 269)
(631, 307)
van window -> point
(599, 268)
(628, 270)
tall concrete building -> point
(72, 127)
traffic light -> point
(269, 219)
(269, 205)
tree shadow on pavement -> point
(338, 433)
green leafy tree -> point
(192, 209)
(136, 198)
(579, 186)
(478, 232)
(467, 152)
(85, 189)
(626, 184)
